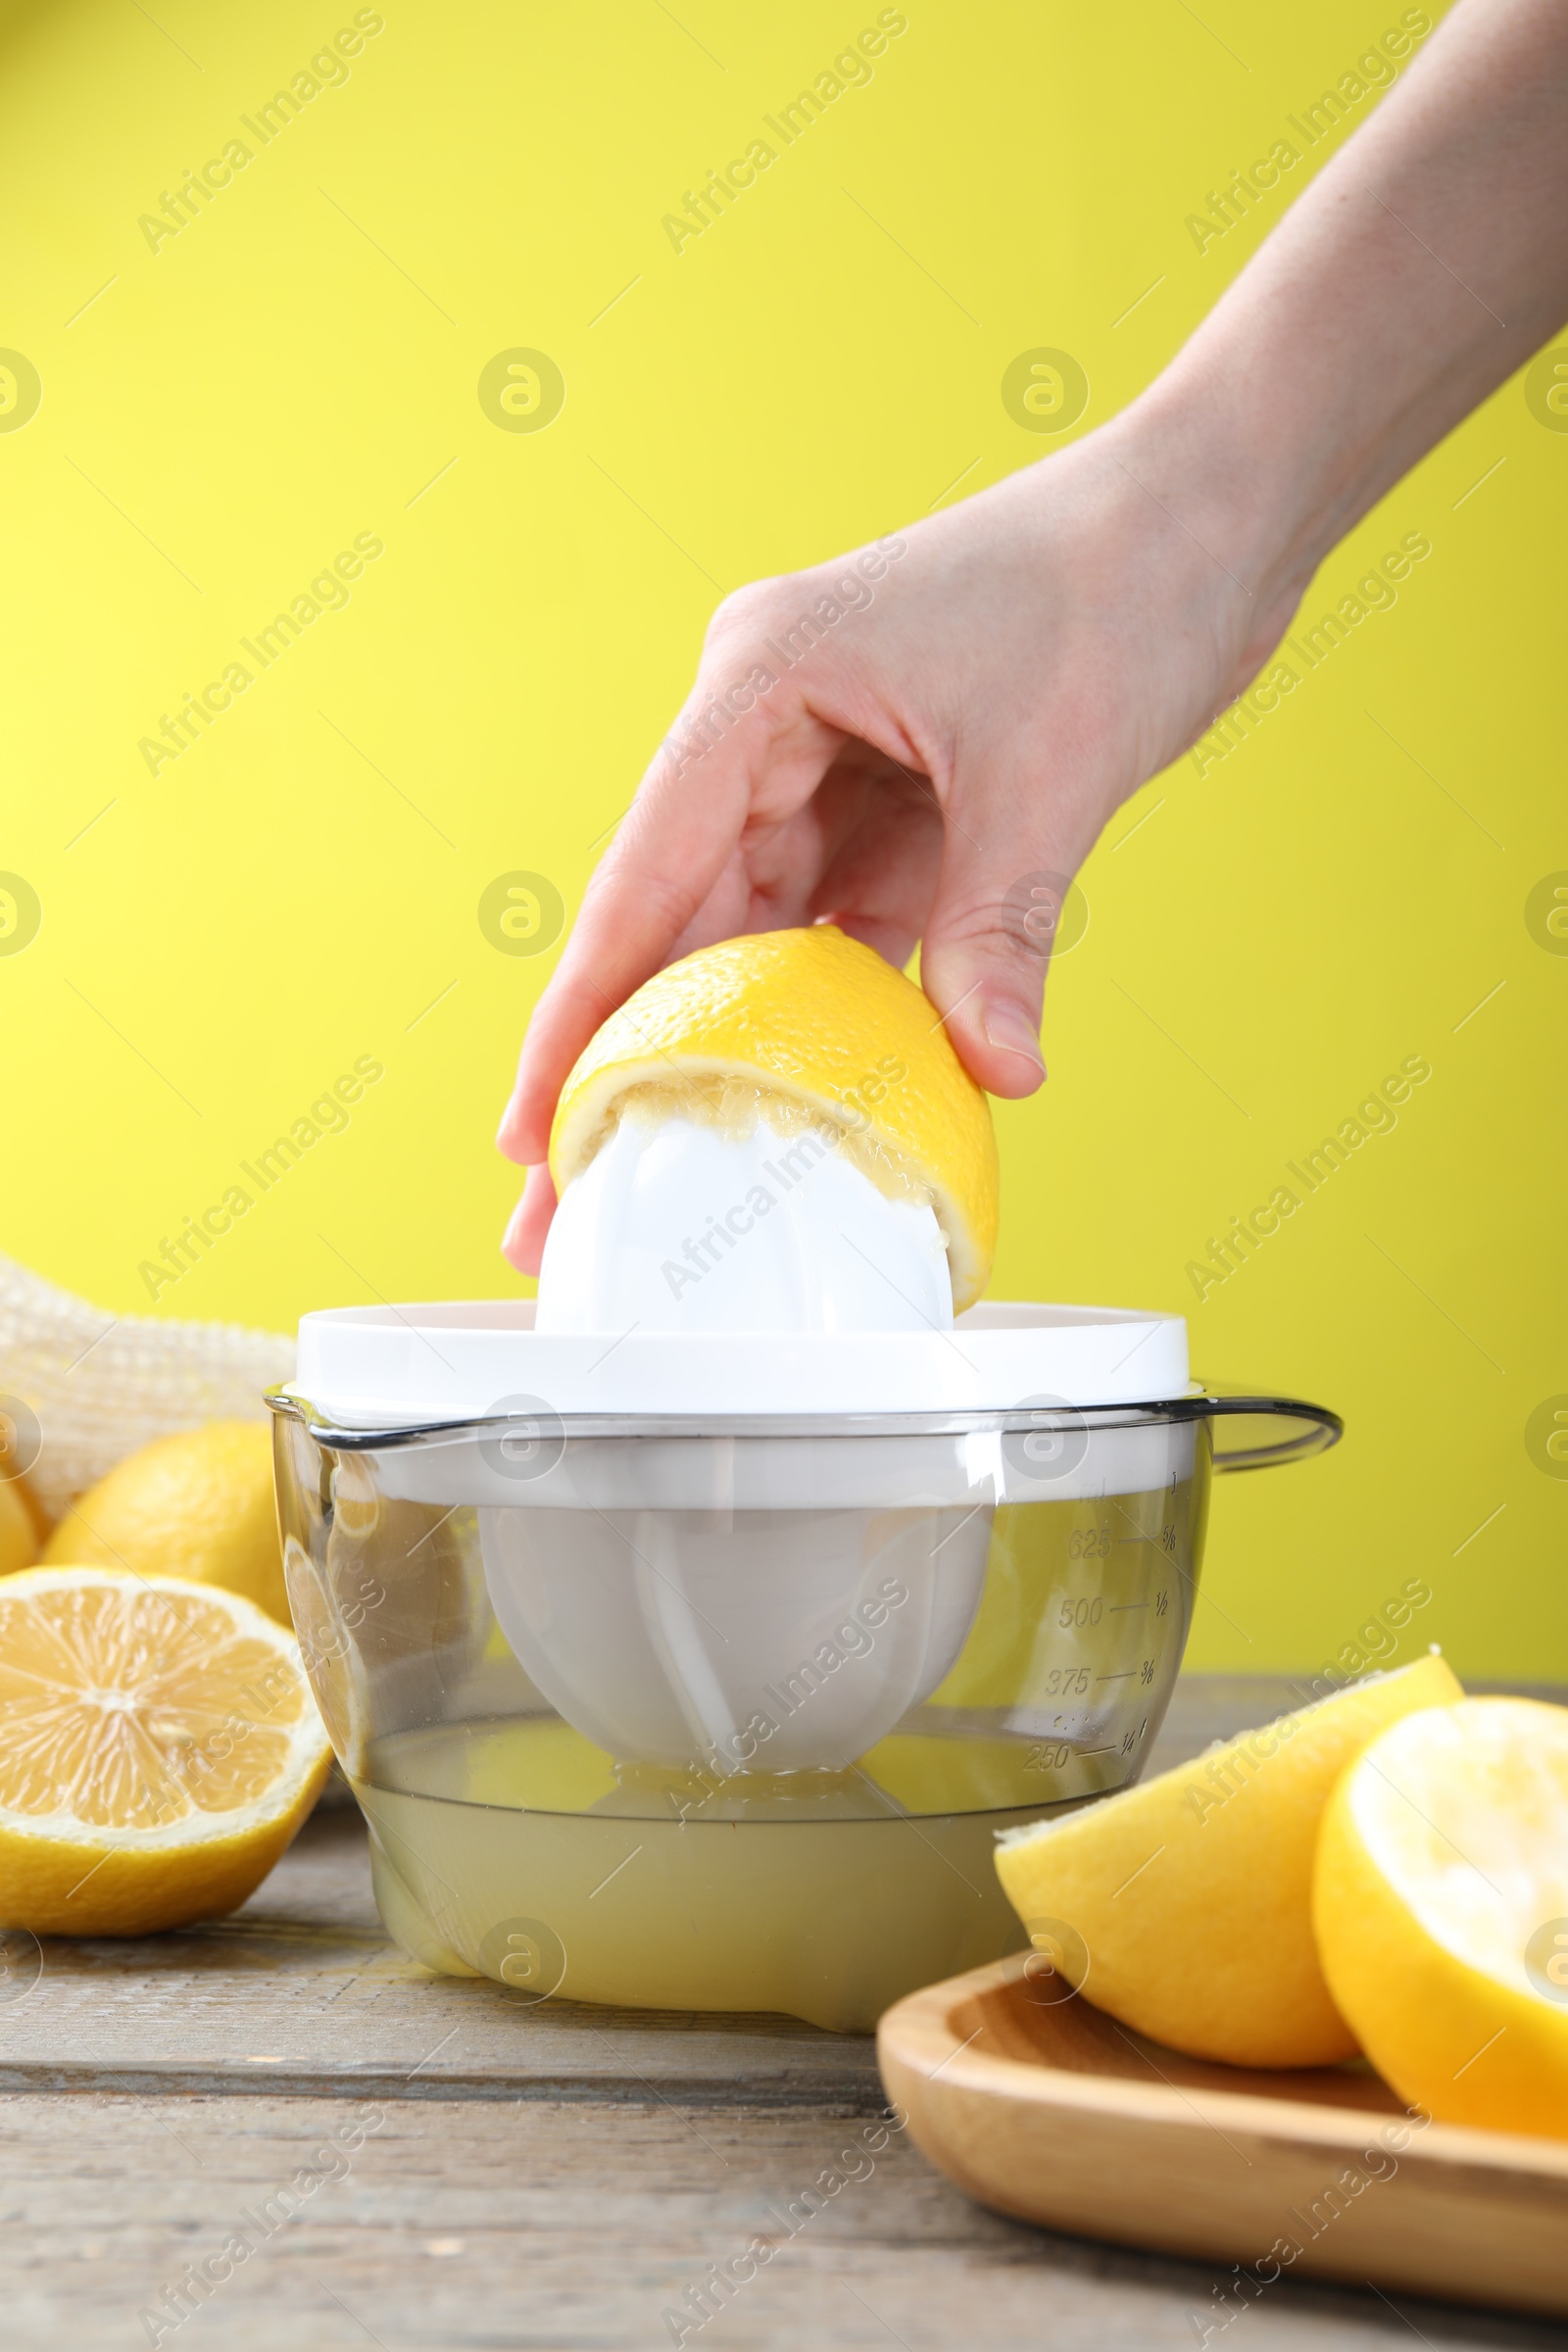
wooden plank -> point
(486, 2209)
(303, 1991)
(477, 2225)
(1205, 1707)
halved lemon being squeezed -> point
(161, 1749)
(808, 1028)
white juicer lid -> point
(374, 1367)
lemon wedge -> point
(159, 1747)
(1441, 1909)
(806, 1025)
(1183, 1906)
(198, 1504)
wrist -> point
(1265, 499)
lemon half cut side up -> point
(1441, 1910)
(160, 1747)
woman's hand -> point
(922, 741)
(919, 743)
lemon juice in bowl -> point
(690, 1642)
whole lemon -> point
(197, 1504)
(19, 1543)
(23, 1524)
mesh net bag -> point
(80, 1387)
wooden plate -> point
(1047, 2109)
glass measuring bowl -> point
(725, 1715)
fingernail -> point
(1010, 1030)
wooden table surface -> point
(465, 2172)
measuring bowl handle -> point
(1315, 1429)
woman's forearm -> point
(1425, 262)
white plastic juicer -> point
(698, 1668)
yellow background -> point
(302, 361)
